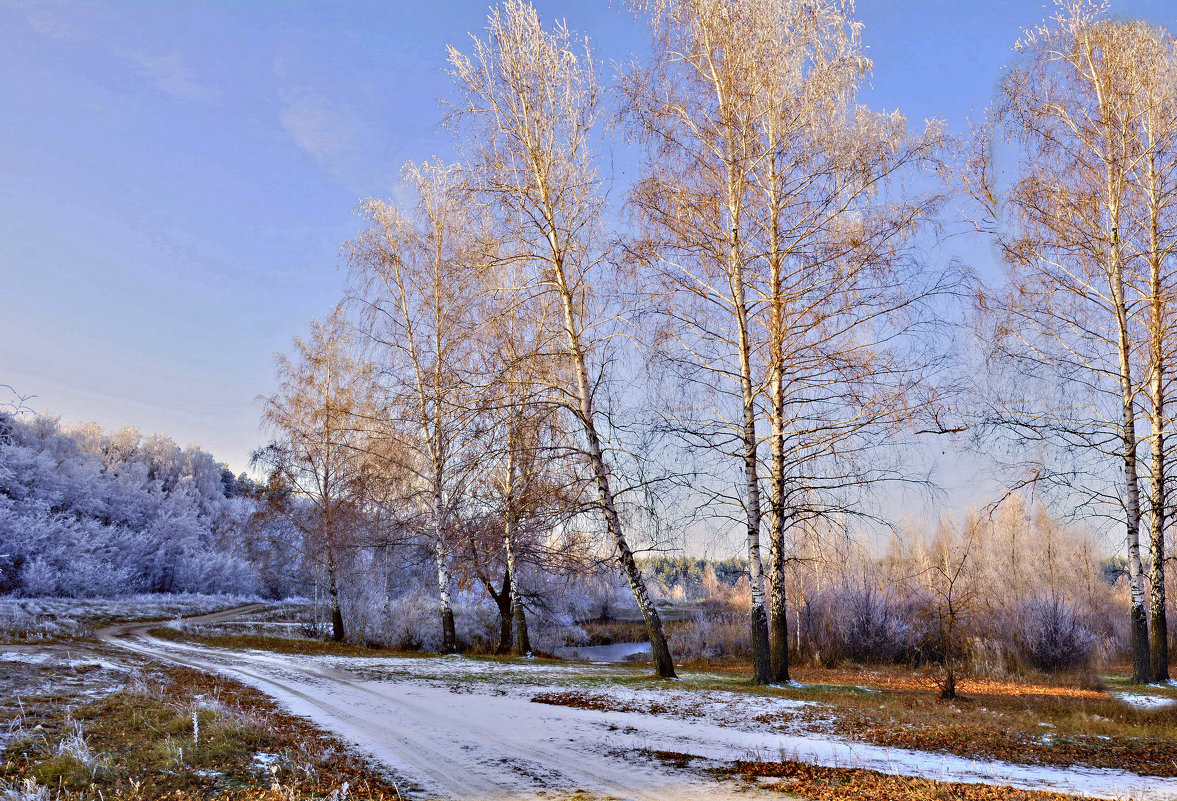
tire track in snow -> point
(479, 745)
(535, 767)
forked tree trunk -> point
(337, 633)
(522, 638)
(515, 600)
(506, 628)
(948, 687)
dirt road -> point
(441, 724)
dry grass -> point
(1036, 722)
(814, 783)
(1044, 721)
(188, 736)
(1073, 685)
(611, 632)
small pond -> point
(618, 652)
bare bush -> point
(712, 635)
(1056, 635)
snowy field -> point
(33, 619)
(469, 728)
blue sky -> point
(176, 177)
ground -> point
(235, 712)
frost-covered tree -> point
(530, 103)
(85, 512)
(317, 450)
(417, 276)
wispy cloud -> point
(323, 128)
(55, 20)
(170, 73)
(73, 22)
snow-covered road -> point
(448, 724)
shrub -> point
(1055, 635)
(712, 635)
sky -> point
(176, 178)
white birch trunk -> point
(1142, 672)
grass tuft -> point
(141, 744)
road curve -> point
(470, 741)
(423, 733)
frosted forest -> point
(87, 513)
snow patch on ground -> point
(29, 658)
(264, 760)
(56, 660)
(716, 707)
(1145, 701)
(464, 728)
(38, 618)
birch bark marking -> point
(522, 645)
(1158, 138)
(1142, 671)
(761, 659)
(1158, 500)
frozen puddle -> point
(462, 732)
(618, 652)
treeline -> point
(90, 513)
(691, 577)
(1010, 592)
(84, 512)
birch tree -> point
(697, 111)
(317, 451)
(416, 281)
(1071, 323)
(533, 483)
(781, 264)
(1153, 238)
(529, 102)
